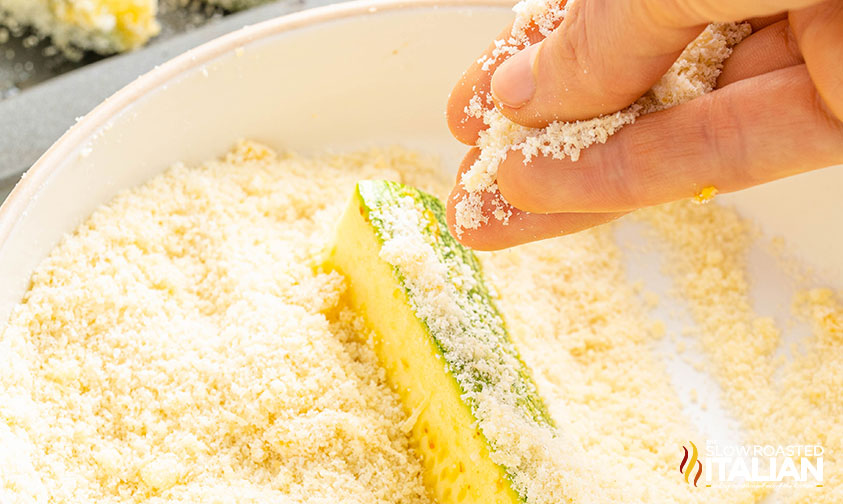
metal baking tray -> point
(42, 94)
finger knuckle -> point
(723, 133)
(622, 180)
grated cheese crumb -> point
(183, 346)
(705, 194)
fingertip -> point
(519, 227)
(457, 193)
(768, 49)
(481, 240)
(759, 23)
(525, 227)
(513, 182)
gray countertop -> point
(33, 119)
(6, 187)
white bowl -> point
(343, 76)
(338, 77)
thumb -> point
(603, 56)
(606, 54)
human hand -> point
(777, 110)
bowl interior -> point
(342, 77)
(345, 76)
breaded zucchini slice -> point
(443, 343)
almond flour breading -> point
(183, 346)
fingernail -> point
(514, 83)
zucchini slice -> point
(470, 399)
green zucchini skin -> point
(475, 300)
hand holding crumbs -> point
(777, 109)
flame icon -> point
(687, 466)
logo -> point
(687, 466)
(728, 465)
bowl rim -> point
(31, 181)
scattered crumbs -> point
(657, 329)
(638, 286)
(651, 300)
(797, 400)
(688, 331)
(801, 274)
(705, 194)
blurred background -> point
(48, 83)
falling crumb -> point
(705, 195)
(182, 346)
(101, 26)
